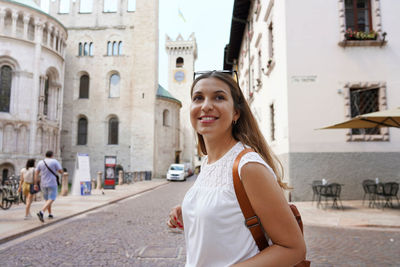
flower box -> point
(360, 36)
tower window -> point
(179, 62)
(109, 48)
(84, 87)
(166, 117)
(5, 88)
(91, 49)
(120, 48)
(80, 49)
(114, 85)
(113, 131)
(82, 131)
(46, 97)
(86, 49)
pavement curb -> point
(44, 225)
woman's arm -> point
(21, 180)
(269, 203)
(36, 179)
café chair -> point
(316, 188)
(332, 191)
(366, 191)
(388, 191)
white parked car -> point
(176, 172)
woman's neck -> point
(217, 148)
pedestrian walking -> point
(25, 183)
(48, 182)
(213, 223)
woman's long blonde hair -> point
(246, 128)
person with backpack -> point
(211, 215)
(25, 183)
(47, 168)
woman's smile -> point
(208, 119)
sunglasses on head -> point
(233, 73)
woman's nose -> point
(207, 105)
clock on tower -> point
(179, 76)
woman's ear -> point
(236, 115)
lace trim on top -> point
(219, 174)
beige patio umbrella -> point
(384, 118)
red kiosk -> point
(110, 163)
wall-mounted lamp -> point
(383, 39)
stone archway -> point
(6, 170)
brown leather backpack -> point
(251, 219)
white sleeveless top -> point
(215, 233)
(28, 175)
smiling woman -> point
(210, 215)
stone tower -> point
(181, 57)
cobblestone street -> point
(133, 233)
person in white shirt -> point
(210, 214)
(48, 168)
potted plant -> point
(360, 35)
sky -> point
(210, 20)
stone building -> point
(111, 80)
(181, 57)
(307, 64)
(167, 131)
(32, 62)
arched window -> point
(82, 131)
(86, 49)
(166, 117)
(120, 48)
(31, 30)
(46, 97)
(5, 88)
(56, 43)
(84, 87)
(91, 49)
(109, 48)
(113, 131)
(80, 49)
(179, 62)
(44, 36)
(115, 48)
(114, 85)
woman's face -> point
(211, 110)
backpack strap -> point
(252, 221)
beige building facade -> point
(32, 63)
(301, 69)
(111, 80)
